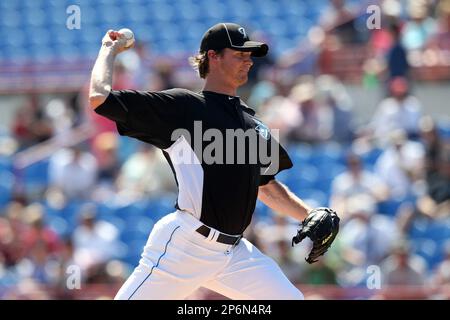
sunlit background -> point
(360, 98)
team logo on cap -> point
(242, 31)
(262, 129)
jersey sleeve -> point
(282, 162)
(147, 116)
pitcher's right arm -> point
(101, 78)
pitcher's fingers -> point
(110, 32)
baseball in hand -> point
(129, 36)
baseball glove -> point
(321, 226)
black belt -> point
(222, 238)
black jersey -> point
(217, 183)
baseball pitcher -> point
(213, 143)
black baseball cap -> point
(233, 36)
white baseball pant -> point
(177, 260)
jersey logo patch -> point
(262, 129)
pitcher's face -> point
(234, 66)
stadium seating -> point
(444, 129)
(6, 184)
(391, 206)
(428, 238)
(36, 173)
(37, 32)
(310, 178)
(169, 30)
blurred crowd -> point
(391, 182)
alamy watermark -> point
(73, 21)
(373, 281)
(73, 280)
(258, 145)
(374, 20)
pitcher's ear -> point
(212, 54)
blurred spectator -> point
(38, 232)
(164, 77)
(420, 27)
(396, 58)
(270, 235)
(315, 121)
(422, 212)
(402, 267)
(381, 40)
(7, 276)
(40, 247)
(29, 289)
(122, 79)
(74, 172)
(326, 53)
(95, 241)
(284, 259)
(439, 181)
(442, 274)
(369, 236)
(319, 273)
(138, 64)
(280, 113)
(365, 239)
(61, 117)
(401, 165)
(65, 267)
(40, 265)
(75, 108)
(116, 272)
(105, 149)
(339, 20)
(331, 94)
(442, 37)
(372, 70)
(65, 259)
(400, 110)
(433, 144)
(30, 125)
(437, 160)
(12, 234)
(406, 215)
(261, 92)
(435, 203)
(145, 173)
(21, 126)
(356, 181)
(304, 58)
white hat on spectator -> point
(303, 92)
(361, 204)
